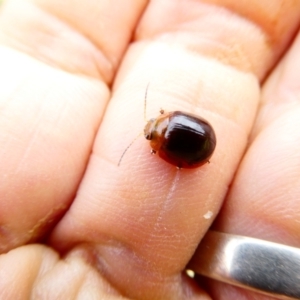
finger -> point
(88, 37)
(48, 116)
(145, 218)
(264, 199)
(265, 191)
(37, 272)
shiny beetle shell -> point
(183, 140)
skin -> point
(74, 225)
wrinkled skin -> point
(74, 225)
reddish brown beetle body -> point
(182, 139)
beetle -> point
(181, 139)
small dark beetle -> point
(184, 140)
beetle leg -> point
(179, 166)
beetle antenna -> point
(128, 147)
(145, 108)
(145, 102)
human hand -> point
(73, 77)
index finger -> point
(145, 218)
